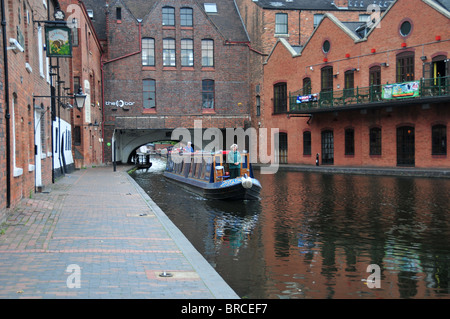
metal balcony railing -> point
(300, 102)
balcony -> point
(414, 92)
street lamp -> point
(80, 98)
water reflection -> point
(313, 235)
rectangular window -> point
(405, 67)
(258, 105)
(168, 16)
(375, 141)
(77, 135)
(439, 140)
(74, 32)
(40, 51)
(148, 52)
(281, 23)
(118, 13)
(187, 52)
(280, 98)
(307, 143)
(208, 94)
(208, 53)
(186, 17)
(169, 52)
(306, 86)
(350, 141)
(149, 94)
(76, 84)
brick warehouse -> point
(37, 99)
(169, 64)
(352, 122)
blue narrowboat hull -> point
(230, 189)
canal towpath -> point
(95, 234)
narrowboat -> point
(207, 175)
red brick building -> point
(353, 121)
(26, 122)
(294, 21)
(87, 128)
(168, 64)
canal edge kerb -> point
(213, 281)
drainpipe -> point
(7, 115)
(103, 83)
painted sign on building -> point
(401, 90)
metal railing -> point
(361, 95)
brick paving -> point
(100, 225)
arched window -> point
(208, 94)
(280, 97)
(186, 17)
(148, 51)
(405, 67)
(168, 16)
(169, 52)
(149, 93)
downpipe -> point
(7, 109)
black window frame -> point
(307, 143)
(375, 144)
(208, 52)
(149, 95)
(280, 98)
(149, 59)
(168, 52)
(439, 139)
(187, 53)
(281, 23)
(168, 16)
(186, 17)
(208, 94)
(349, 141)
(405, 67)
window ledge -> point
(208, 111)
(148, 68)
(17, 171)
(208, 68)
(149, 111)
(281, 35)
(187, 68)
(169, 68)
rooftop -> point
(328, 5)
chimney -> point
(340, 4)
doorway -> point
(327, 147)
(281, 150)
(405, 146)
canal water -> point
(315, 235)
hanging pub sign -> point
(401, 90)
(58, 40)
